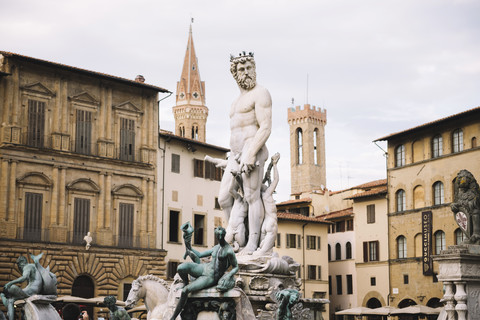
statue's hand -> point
(7, 286)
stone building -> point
(188, 191)
(307, 148)
(422, 164)
(371, 244)
(190, 111)
(78, 154)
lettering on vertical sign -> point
(427, 261)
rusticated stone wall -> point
(106, 266)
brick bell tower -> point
(190, 111)
(307, 148)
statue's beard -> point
(247, 82)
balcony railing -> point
(45, 142)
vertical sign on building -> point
(427, 243)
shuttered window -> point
(198, 168)
(33, 216)
(127, 139)
(36, 123)
(83, 135)
(175, 163)
(81, 219)
(125, 231)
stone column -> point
(12, 188)
(101, 202)
(3, 190)
(108, 202)
(61, 203)
(53, 204)
(150, 225)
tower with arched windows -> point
(190, 111)
(307, 148)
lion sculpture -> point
(466, 206)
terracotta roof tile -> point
(425, 125)
(302, 200)
(337, 214)
(371, 184)
(298, 217)
(94, 73)
(170, 134)
(371, 192)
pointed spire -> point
(190, 88)
(190, 111)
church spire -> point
(190, 111)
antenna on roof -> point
(307, 90)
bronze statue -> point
(40, 281)
(466, 206)
(116, 313)
(208, 274)
(286, 298)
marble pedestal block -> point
(459, 270)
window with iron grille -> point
(371, 213)
(127, 139)
(175, 163)
(36, 123)
(83, 134)
(125, 230)
(81, 219)
(32, 229)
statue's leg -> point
(201, 283)
(252, 188)
(225, 199)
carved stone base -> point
(459, 270)
(38, 307)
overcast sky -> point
(378, 67)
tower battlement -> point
(307, 112)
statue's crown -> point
(241, 55)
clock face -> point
(195, 95)
(182, 95)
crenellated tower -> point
(307, 148)
(190, 111)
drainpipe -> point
(303, 250)
(163, 170)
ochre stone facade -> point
(78, 154)
(307, 148)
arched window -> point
(474, 142)
(338, 252)
(438, 194)
(459, 236)
(401, 247)
(457, 140)
(315, 146)
(418, 245)
(437, 146)
(439, 241)
(348, 251)
(401, 199)
(329, 253)
(299, 146)
(400, 156)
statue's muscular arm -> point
(263, 116)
